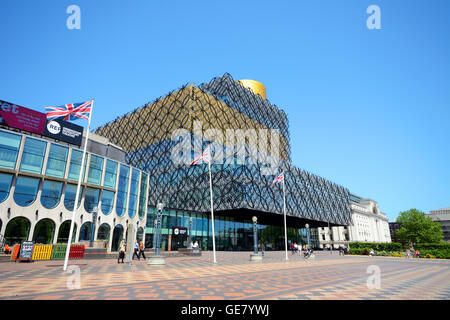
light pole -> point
(190, 232)
(94, 221)
(255, 256)
(307, 234)
(155, 227)
(157, 259)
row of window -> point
(33, 159)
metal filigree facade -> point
(223, 105)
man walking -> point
(136, 250)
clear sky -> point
(368, 109)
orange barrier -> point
(15, 252)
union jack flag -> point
(203, 157)
(280, 178)
(71, 111)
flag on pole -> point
(203, 157)
(280, 178)
(70, 112)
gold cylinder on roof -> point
(255, 86)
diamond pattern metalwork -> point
(222, 104)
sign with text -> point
(64, 131)
(26, 250)
(22, 118)
(179, 231)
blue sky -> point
(368, 109)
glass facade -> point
(107, 201)
(110, 174)
(57, 159)
(26, 190)
(134, 185)
(33, 155)
(9, 149)
(5, 185)
(95, 170)
(231, 233)
(75, 165)
(122, 190)
(69, 198)
(91, 197)
(51, 193)
(143, 196)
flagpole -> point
(284, 209)
(78, 189)
(212, 206)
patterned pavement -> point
(234, 277)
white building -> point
(442, 216)
(369, 224)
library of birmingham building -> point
(143, 158)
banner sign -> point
(179, 231)
(26, 250)
(25, 119)
(64, 131)
(18, 117)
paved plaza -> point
(234, 277)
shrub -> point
(396, 254)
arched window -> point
(51, 193)
(85, 231)
(17, 231)
(69, 197)
(122, 190)
(140, 234)
(26, 190)
(103, 232)
(107, 201)
(117, 237)
(5, 185)
(44, 231)
(91, 199)
(64, 230)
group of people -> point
(139, 249)
(296, 248)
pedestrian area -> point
(234, 277)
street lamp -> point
(190, 232)
(255, 256)
(157, 259)
(94, 220)
(307, 234)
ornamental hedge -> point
(389, 247)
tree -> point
(417, 228)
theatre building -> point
(38, 182)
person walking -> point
(122, 250)
(141, 250)
(136, 250)
(371, 253)
(262, 249)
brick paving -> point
(234, 277)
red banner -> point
(22, 118)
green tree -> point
(418, 228)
